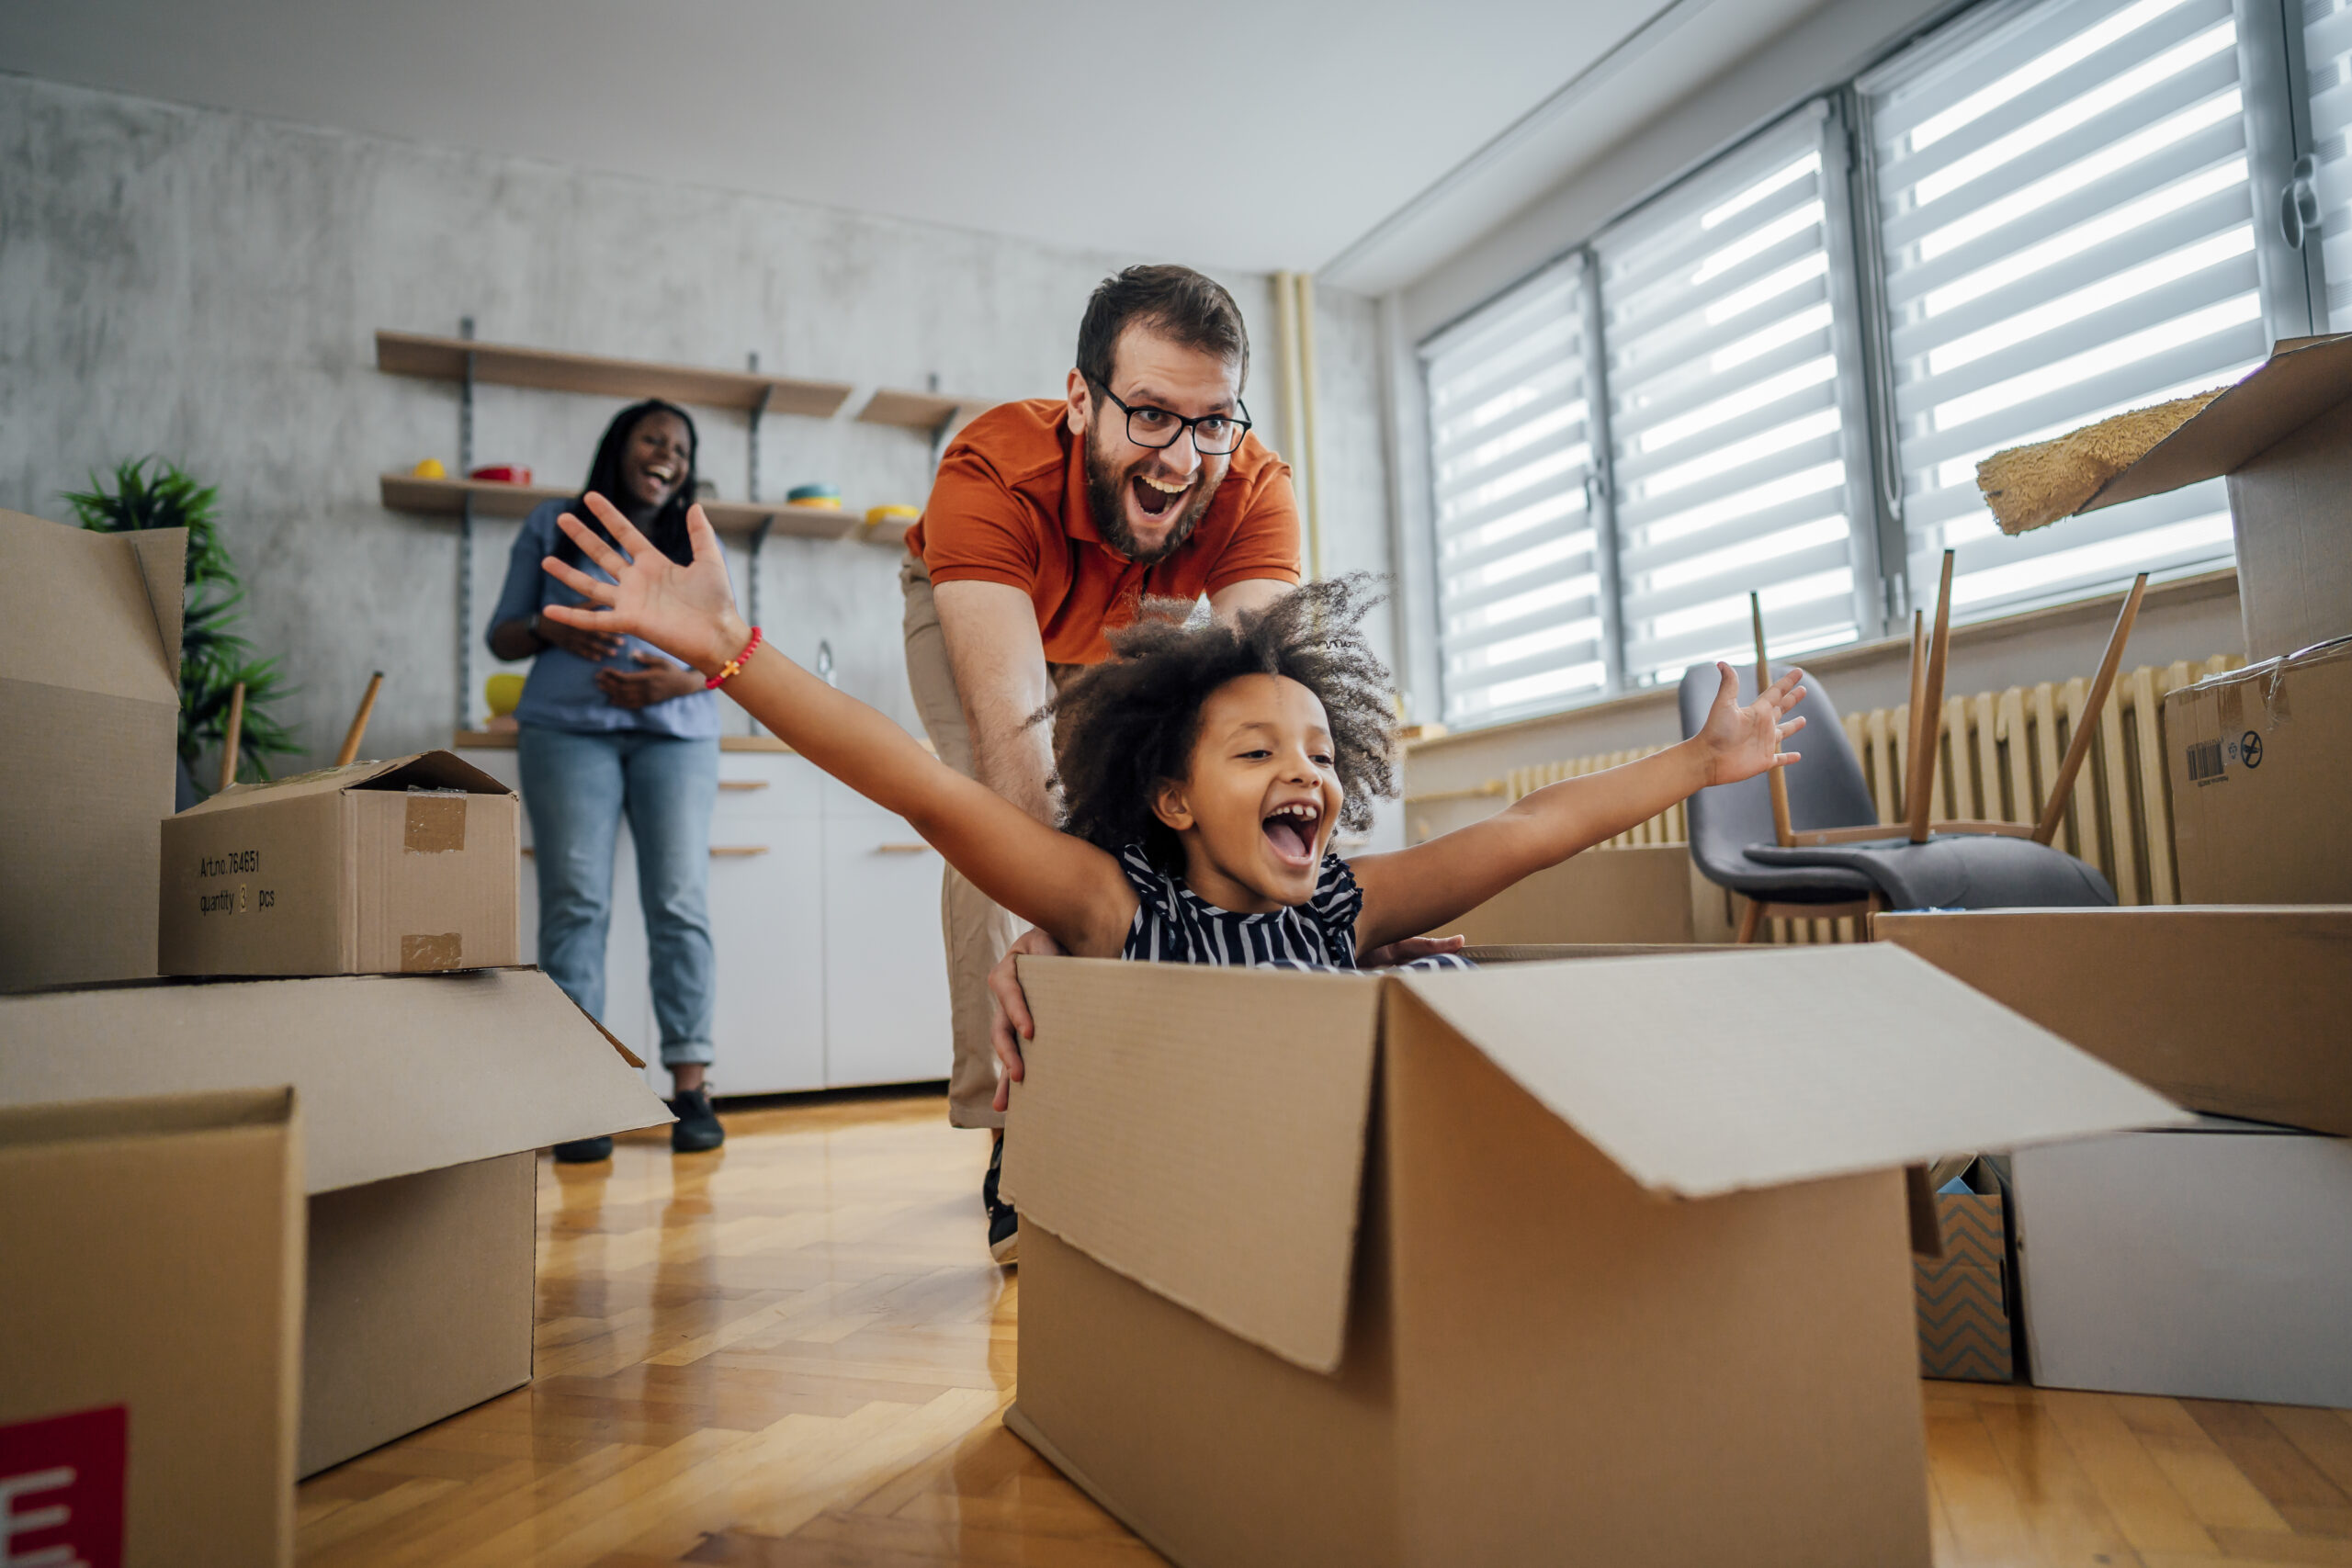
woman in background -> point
(608, 727)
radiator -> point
(1995, 753)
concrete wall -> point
(207, 285)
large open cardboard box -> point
(2236, 1011)
(150, 1330)
(423, 1098)
(398, 867)
(1603, 1260)
(89, 704)
(2284, 437)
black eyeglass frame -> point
(1183, 426)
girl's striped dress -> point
(1175, 925)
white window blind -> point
(1519, 611)
(1729, 455)
(2064, 213)
(2327, 58)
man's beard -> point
(1107, 492)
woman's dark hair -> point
(1127, 724)
(1174, 301)
(668, 531)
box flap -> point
(422, 769)
(1202, 1131)
(397, 1074)
(75, 612)
(2302, 379)
(1723, 1071)
(162, 562)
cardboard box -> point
(423, 1098)
(402, 867)
(149, 1330)
(90, 702)
(1963, 1294)
(2239, 1011)
(1638, 895)
(2207, 1262)
(1605, 1256)
(2284, 437)
(2261, 765)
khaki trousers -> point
(978, 929)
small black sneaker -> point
(696, 1130)
(1005, 1226)
(584, 1151)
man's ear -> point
(1168, 804)
(1081, 402)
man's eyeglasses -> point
(1213, 434)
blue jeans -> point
(576, 788)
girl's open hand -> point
(687, 611)
(1741, 742)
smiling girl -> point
(1203, 771)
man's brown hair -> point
(1174, 301)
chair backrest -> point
(1827, 789)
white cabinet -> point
(824, 913)
(885, 973)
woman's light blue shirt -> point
(561, 693)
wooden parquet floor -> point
(795, 1354)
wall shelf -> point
(444, 359)
(918, 411)
(406, 492)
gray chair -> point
(1822, 853)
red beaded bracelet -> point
(734, 666)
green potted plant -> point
(213, 658)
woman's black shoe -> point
(696, 1130)
(584, 1151)
(1004, 1224)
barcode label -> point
(2204, 762)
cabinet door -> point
(767, 924)
(886, 966)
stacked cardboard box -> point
(423, 1095)
(1963, 1289)
(1606, 1257)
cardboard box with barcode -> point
(2261, 765)
(423, 1099)
(1607, 1257)
(150, 1330)
(398, 867)
(2236, 1010)
(2283, 436)
(89, 702)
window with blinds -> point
(1520, 604)
(1729, 447)
(2064, 225)
(2327, 58)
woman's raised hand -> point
(687, 611)
(1741, 742)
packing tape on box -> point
(428, 953)
(436, 824)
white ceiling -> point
(1233, 134)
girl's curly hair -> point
(1125, 725)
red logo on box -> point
(61, 1489)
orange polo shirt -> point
(1010, 505)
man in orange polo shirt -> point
(1049, 520)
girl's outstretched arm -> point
(1411, 891)
(1074, 891)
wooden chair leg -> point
(1750, 921)
(358, 731)
(2053, 809)
(234, 736)
(1782, 829)
(1919, 693)
(1926, 715)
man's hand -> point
(1740, 743)
(595, 647)
(642, 688)
(687, 611)
(1405, 949)
(1009, 1020)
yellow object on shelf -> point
(502, 693)
(429, 468)
(877, 514)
